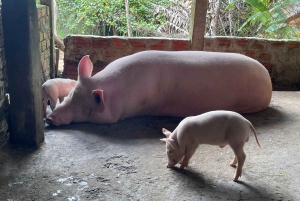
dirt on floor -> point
(127, 161)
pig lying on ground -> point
(215, 128)
(165, 83)
(54, 89)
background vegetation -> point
(170, 18)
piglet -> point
(54, 89)
(215, 128)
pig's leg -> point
(61, 99)
(240, 156)
(53, 103)
(45, 101)
(188, 155)
(234, 162)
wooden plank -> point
(197, 24)
(20, 30)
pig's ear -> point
(85, 67)
(99, 99)
(171, 142)
(166, 132)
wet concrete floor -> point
(127, 161)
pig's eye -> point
(169, 152)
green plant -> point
(108, 17)
(268, 18)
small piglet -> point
(54, 89)
(215, 128)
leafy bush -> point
(108, 17)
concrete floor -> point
(127, 161)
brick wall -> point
(3, 90)
(103, 50)
(45, 31)
(279, 57)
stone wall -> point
(280, 57)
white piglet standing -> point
(55, 89)
(215, 128)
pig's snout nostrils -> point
(170, 166)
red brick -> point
(293, 45)
(76, 50)
(100, 42)
(224, 42)
(278, 44)
(70, 63)
(264, 56)
(70, 75)
(109, 54)
(250, 53)
(242, 42)
(81, 42)
(137, 45)
(257, 46)
(78, 56)
(118, 42)
(158, 46)
(179, 45)
(208, 44)
(93, 53)
(268, 66)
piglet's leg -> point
(234, 162)
(241, 156)
(188, 155)
(45, 105)
(53, 103)
(61, 99)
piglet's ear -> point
(166, 132)
(85, 67)
(171, 142)
(99, 99)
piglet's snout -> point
(170, 164)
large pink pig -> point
(56, 89)
(215, 128)
(165, 83)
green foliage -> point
(269, 18)
(108, 17)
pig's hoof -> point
(183, 166)
(236, 178)
(233, 165)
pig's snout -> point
(51, 121)
(170, 165)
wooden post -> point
(52, 46)
(23, 62)
(197, 24)
(56, 61)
